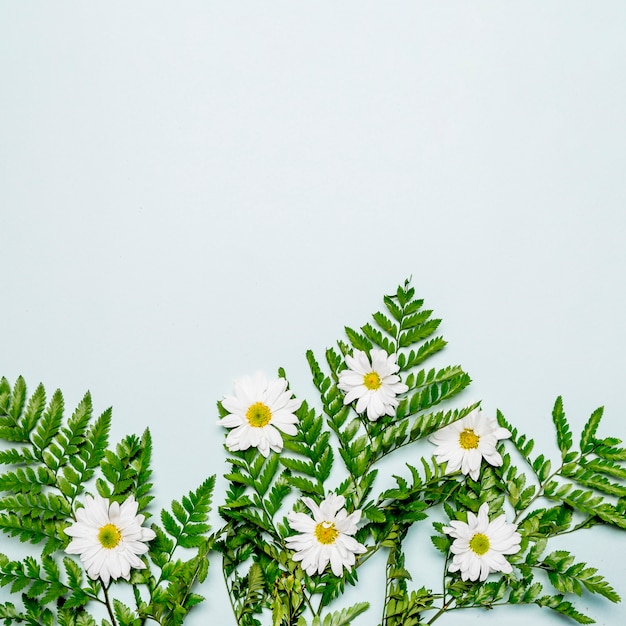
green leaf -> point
(359, 341)
(587, 478)
(603, 466)
(563, 433)
(570, 577)
(34, 410)
(423, 352)
(418, 333)
(305, 486)
(192, 517)
(127, 470)
(298, 465)
(125, 615)
(589, 431)
(441, 543)
(393, 308)
(49, 424)
(556, 603)
(345, 616)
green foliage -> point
(340, 618)
(127, 470)
(253, 537)
(586, 471)
(564, 607)
(184, 526)
(563, 434)
(402, 607)
(49, 463)
(339, 451)
(567, 576)
(405, 329)
(42, 582)
(584, 483)
(311, 443)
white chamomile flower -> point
(325, 538)
(257, 411)
(479, 545)
(108, 537)
(374, 385)
(464, 443)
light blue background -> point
(194, 191)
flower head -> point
(464, 443)
(108, 537)
(325, 538)
(257, 411)
(373, 384)
(479, 545)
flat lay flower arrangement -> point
(308, 499)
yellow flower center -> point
(372, 380)
(469, 439)
(258, 415)
(109, 536)
(479, 544)
(325, 532)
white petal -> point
(107, 563)
(315, 556)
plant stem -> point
(228, 588)
(308, 602)
(387, 581)
(108, 604)
(438, 614)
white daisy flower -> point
(325, 538)
(479, 545)
(108, 537)
(464, 443)
(257, 411)
(374, 384)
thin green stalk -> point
(387, 580)
(108, 604)
(438, 614)
(446, 605)
(229, 589)
(308, 602)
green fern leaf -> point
(418, 333)
(425, 351)
(49, 425)
(386, 324)
(589, 431)
(556, 603)
(345, 616)
(563, 433)
(603, 466)
(359, 341)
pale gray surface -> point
(193, 192)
